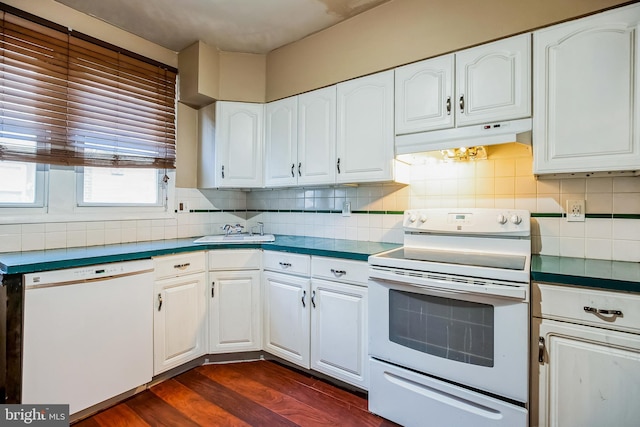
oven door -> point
(477, 340)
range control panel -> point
(486, 221)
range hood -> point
(467, 136)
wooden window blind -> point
(66, 100)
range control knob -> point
(423, 218)
(412, 218)
(516, 219)
(502, 219)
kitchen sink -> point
(236, 238)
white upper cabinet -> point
(281, 142)
(424, 95)
(586, 93)
(484, 84)
(239, 144)
(317, 137)
(365, 150)
(300, 139)
(493, 81)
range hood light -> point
(464, 154)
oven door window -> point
(443, 327)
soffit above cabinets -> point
(248, 26)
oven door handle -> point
(491, 290)
(513, 292)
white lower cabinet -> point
(339, 331)
(286, 317)
(586, 368)
(180, 311)
(234, 301)
(317, 323)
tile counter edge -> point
(55, 259)
(585, 272)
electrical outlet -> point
(183, 207)
(575, 210)
(346, 208)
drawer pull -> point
(338, 273)
(602, 311)
(182, 266)
(285, 264)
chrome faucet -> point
(260, 226)
(228, 228)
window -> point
(120, 187)
(68, 99)
(22, 182)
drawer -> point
(568, 303)
(287, 263)
(341, 270)
(235, 259)
(178, 265)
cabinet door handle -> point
(338, 165)
(541, 349)
(304, 295)
(222, 171)
(462, 103)
(159, 302)
(284, 264)
(602, 311)
(293, 166)
(182, 266)
(448, 106)
(213, 289)
(300, 169)
(313, 299)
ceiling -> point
(251, 26)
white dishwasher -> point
(88, 333)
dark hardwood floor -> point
(260, 393)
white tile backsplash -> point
(598, 248)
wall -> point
(243, 77)
(403, 31)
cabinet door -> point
(589, 376)
(317, 137)
(424, 92)
(493, 81)
(286, 317)
(179, 324)
(234, 311)
(365, 129)
(239, 144)
(339, 331)
(281, 142)
(586, 92)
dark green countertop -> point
(54, 259)
(593, 273)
